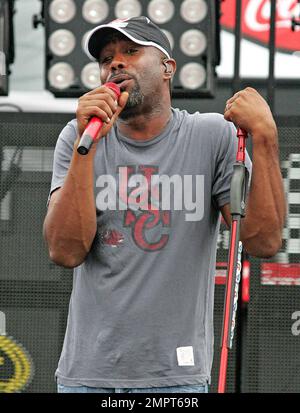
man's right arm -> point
(70, 224)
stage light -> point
(62, 42)
(161, 11)
(90, 75)
(61, 75)
(193, 42)
(192, 27)
(192, 75)
(128, 8)
(193, 11)
(95, 11)
(62, 11)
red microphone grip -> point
(242, 136)
(241, 132)
(94, 126)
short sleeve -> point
(225, 159)
(62, 155)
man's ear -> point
(170, 67)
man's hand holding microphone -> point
(70, 225)
(96, 113)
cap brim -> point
(90, 48)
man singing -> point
(138, 218)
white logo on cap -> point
(119, 23)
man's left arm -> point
(261, 229)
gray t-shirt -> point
(141, 309)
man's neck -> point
(144, 127)
(149, 119)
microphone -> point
(94, 126)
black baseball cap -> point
(140, 30)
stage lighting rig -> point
(192, 27)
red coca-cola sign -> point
(256, 21)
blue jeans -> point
(193, 388)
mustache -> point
(116, 75)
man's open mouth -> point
(121, 80)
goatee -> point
(135, 99)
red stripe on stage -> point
(280, 274)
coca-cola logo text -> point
(256, 21)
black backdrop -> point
(34, 293)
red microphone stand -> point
(237, 207)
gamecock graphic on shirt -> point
(148, 199)
(148, 216)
